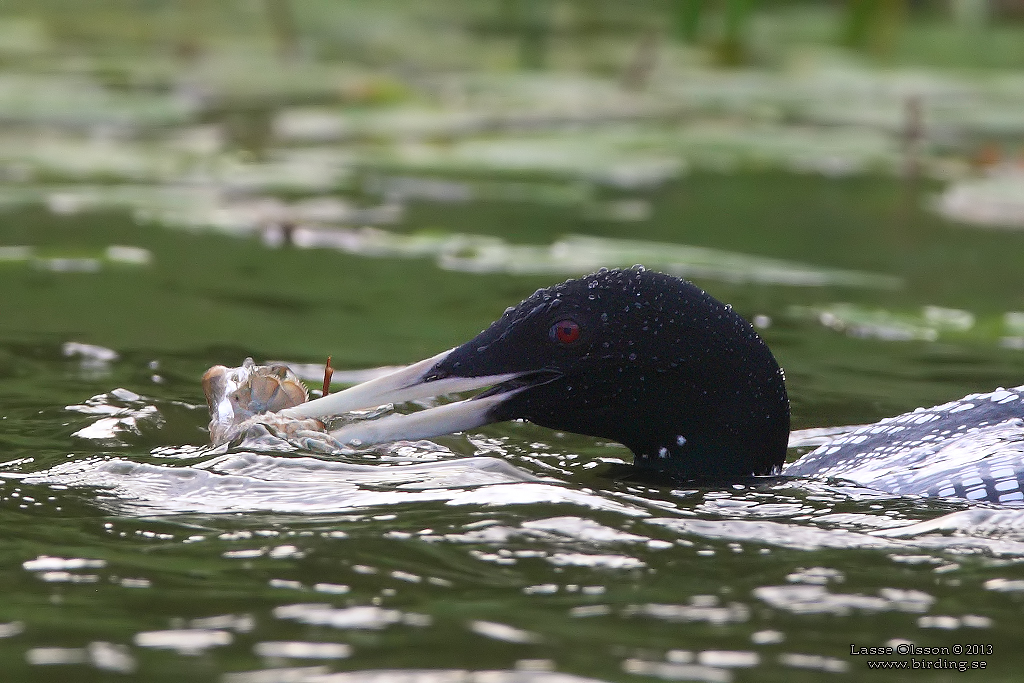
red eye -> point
(564, 332)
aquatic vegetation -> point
(75, 262)
(995, 202)
(304, 224)
(930, 323)
(76, 101)
(578, 255)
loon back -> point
(972, 448)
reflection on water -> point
(249, 482)
(316, 554)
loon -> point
(657, 364)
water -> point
(135, 551)
(189, 186)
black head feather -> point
(645, 359)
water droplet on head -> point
(604, 317)
(632, 356)
(681, 440)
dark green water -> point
(586, 574)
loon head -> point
(635, 356)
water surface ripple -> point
(524, 547)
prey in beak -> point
(427, 378)
(242, 398)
